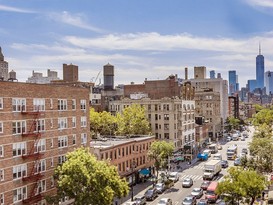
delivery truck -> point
(211, 169)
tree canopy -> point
(233, 123)
(240, 183)
(159, 152)
(133, 121)
(88, 181)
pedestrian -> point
(263, 193)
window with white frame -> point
(73, 122)
(2, 201)
(19, 171)
(74, 139)
(18, 104)
(40, 146)
(83, 104)
(1, 175)
(1, 151)
(83, 138)
(83, 121)
(40, 166)
(61, 159)
(19, 149)
(40, 125)
(62, 123)
(62, 104)
(19, 194)
(1, 127)
(52, 143)
(52, 162)
(73, 104)
(1, 104)
(52, 181)
(39, 104)
(62, 141)
(51, 123)
(18, 127)
(51, 103)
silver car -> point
(187, 182)
(197, 192)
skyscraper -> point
(251, 85)
(4, 67)
(233, 79)
(268, 77)
(260, 69)
(212, 74)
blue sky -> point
(142, 38)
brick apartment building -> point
(39, 124)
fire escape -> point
(34, 175)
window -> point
(1, 104)
(52, 162)
(52, 143)
(19, 171)
(83, 104)
(40, 146)
(74, 139)
(2, 201)
(74, 104)
(62, 104)
(1, 151)
(166, 116)
(41, 186)
(51, 103)
(62, 123)
(18, 127)
(19, 194)
(62, 141)
(40, 166)
(18, 104)
(1, 175)
(84, 138)
(61, 159)
(19, 149)
(51, 123)
(52, 182)
(40, 125)
(83, 121)
(73, 122)
(1, 127)
(39, 104)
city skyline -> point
(149, 39)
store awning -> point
(144, 172)
(179, 158)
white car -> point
(197, 192)
(165, 201)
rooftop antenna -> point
(259, 48)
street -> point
(195, 171)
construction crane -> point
(94, 81)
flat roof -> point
(112, 142)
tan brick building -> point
(39, 124)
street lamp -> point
(133, 166)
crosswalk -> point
(194, 177)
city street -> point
(195, 171)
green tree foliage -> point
(159, 152)
(233, 123)
(262, 150)
(102, 122)
(133, 121)
(88, 181)
(264, 116)
(241, 183)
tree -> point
(233, 123)
(264, 116)
(241, 183)
(102, 123)
(159, 152)
(88, 181)
(133, 121)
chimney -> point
(186, 73)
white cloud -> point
(14, 9)
(76, 20)
(261, 3)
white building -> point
(268, 78)
(40, 79)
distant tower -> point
(232, 79)
(260, 69)
(4, 67)
(269, 82)
(219, 75)
(70, 73)
(186, 73)
(200, 72)
(212, 74)
(108, 77)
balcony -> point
(32, 155)
(33, 177)
(33, 199)
(33, 134)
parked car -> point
(165, 201)
(197, 192)
(219, 147)
(205, 185)
(202, 202)
(151, 194)
(243, 138)
(140, 200)
(187, 182)
(189, 200)
(244, 150)
(160, 188)
(224, 163)
(229, 138)
(174, 176)
(237, 162)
